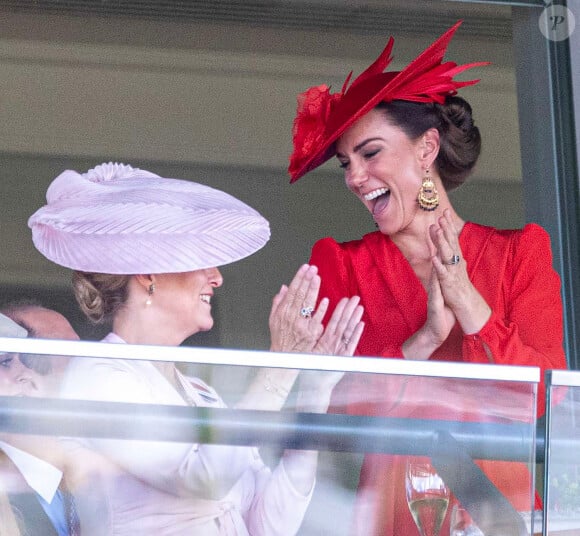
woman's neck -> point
(413, 242)
(144, 326)
(138, 329)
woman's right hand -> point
(440, 321)
(340, 337)
(440, 317)
(344, 329)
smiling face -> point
(185, 299)
(17, 379)
(384, 169)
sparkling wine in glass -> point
(427, 497)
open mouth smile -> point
(375, 193)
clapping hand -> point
(458, 293)
(344, 329)
(440, 317)
(448, 263)
(295, 326)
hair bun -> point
(460, 141)
(458, 112)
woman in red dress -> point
(434, 286)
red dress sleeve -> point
(528, 328)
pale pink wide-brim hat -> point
(116, 219)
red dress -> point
(513, 272)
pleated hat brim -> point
(119, 220)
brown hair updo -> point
(460, 141)
(100, 296)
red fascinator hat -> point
(322, 117)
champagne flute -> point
(427, 496)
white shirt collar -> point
(41, 476)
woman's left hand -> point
(459, 294)
(295, 326)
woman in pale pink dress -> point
(145, 251)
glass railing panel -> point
(225, 438)
(562, 513)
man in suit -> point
(34, 485)
(42, 323)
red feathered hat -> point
(322, 117)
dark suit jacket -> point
(31, 516)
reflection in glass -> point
(462, 524)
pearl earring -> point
(150, 292)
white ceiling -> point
(360, 16)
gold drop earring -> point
(428, 197)
(150, 292)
